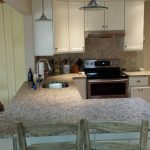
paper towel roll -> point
(41, 69)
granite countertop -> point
(137, 73)
(32, 107)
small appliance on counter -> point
(66, 65)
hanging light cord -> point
(42, 7)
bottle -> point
(30, 75)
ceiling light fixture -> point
(43, 17)
(92, 5)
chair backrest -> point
(115, 127)
(52, 129)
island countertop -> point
(32, 107)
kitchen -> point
(102, 49)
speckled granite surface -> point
(65, 105)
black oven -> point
(110, 88)
(105, 79)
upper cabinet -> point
(61, 26)
(114, 16)
(134, 21)
(108, 19)
(68, 26)
(76, 27)
(94, 20)
(43, 30)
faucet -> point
(40, 60)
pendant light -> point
(92, 5)
(43, 17)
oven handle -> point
(107, 80)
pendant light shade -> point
(92, 5)
(43, 16)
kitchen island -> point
(32, 107)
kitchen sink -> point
(55, 85)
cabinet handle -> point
(56, 48)
(140, 89)
(103, 26)
(106, 26)
(138, 81)
(125, 46)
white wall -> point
(29, 49)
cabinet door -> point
(61, 26)
(114, 16)
(43, 30)
(94, 20)
(141, 92)
(81, 86)
(76, 27)
(134, 20)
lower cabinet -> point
(81, 86)
(138, 87)
(142, 92)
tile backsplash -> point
(105, 48)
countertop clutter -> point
(32, 107)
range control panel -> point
(97, 63)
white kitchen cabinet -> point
(138, 87)
(114, 16)
(81, 86)
(61, 26)
(68, 27)
(94, 20)
(76, 27)
(139, 81)
(142, 92)
(134, 21)
(108, 19)
(42, 30)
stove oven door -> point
(107, 88)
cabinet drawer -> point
(138, 81)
